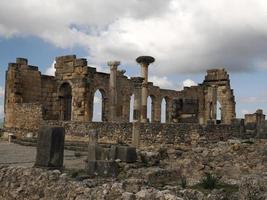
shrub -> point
(209, 181)
(183, 181)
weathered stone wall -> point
(23, 85)
(49, 97)
(152, 133)
(69, 95)
(28, 118)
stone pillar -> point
(136, 134)
(94, 151)
(113, 89)
(50, 147)
(157, 110)
(144, 62)
(137, 97)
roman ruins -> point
(67, 99)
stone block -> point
(102, 168)
(94, 152)
(113, 152)
(126, 154)
(50, 147)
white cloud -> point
(2, 92)
(51, 70)
(183, 35)
(189, 83)
(162, 82)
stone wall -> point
(70, 93)
(152, 133)
(28, 117)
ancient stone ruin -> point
(67, 99)
(123, 156)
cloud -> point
(188, 83)
(183, 35)
(51, 70)
(162, 82)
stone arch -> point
(131, 108)
(103, 105)
(218, 112)
(163, 108)
(226, 99)
(65, 98)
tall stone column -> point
(137, 97)
(144, 62)
(113, 89)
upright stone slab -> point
(94, 150)
(50, 147)
(136, 134)
(126, 154)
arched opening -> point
(65, 96)
(163, 110)
(149, 108)
(218, 113)
(98, 108)
(131, 108)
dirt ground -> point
(18, 155)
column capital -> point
(145, 60)
(113, 63)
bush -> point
(209, 181)
(183, 181)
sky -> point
(186, 37)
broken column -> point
(95, 166)
(144, 62)
(50, 147)
(113, 88)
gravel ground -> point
(18, 155)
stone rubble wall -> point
(28, 117)
(151, 133)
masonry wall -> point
(28, 118)
(49, 98)
(69, 96)
(152, 133)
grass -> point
(210, 182)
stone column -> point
(144, 62)
(113, 89)
(137, 97)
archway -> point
(98, 106)
(163, 110)
(131, 108)
(65, 96)
(218, 113)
